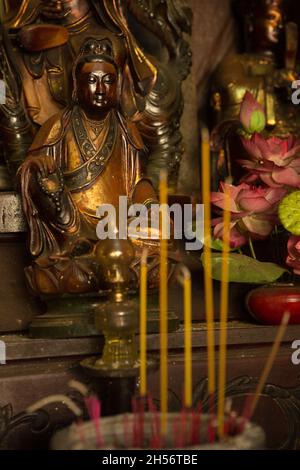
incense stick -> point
(143, 324)
(93, 406)
(208, 283)
(163, 301)
(224, 313)
(250, 408)
(186, 281)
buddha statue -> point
(85, 156)
(41, 39)
(39, 46)
(265, 70)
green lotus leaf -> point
(245, 269)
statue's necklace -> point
(96, 126)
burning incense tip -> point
(144, 257)
(286, 318)
(184, 274)
(163, 176)
(205, 134)
(229, 180)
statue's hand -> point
(45, 165)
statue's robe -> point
(91, 170)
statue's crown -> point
(97, 47)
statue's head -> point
(96, 77)
(265, 20)
(268, 21)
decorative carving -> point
(288, 400)
(24, 430)
(160, 125)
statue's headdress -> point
(93, 50)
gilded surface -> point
(43, 37)
(258, 71)
(85, 156)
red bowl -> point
(268, 304)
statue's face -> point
(97, 87)
(269, 23)
(61, 10)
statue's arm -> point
(42, 183)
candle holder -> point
(115, 372)
(116, 317)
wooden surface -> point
(21, 348)
(38, 368)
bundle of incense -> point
(195, 425)
(135, 427)
(231, 424)
(176, 433)
(212, 429)
(138, 409)
(93, 406)
(80, 430)
(182, 429)
(126, 427)
(156, 439)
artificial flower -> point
(252, 114)
(253, 212)
(275, 161)
(293, 259)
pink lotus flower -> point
(252, 114)
(253, 212)
(293, 259)
(274, 161)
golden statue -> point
(40, 40)
(258, 71)
(85, 156)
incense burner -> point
(117, 432)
